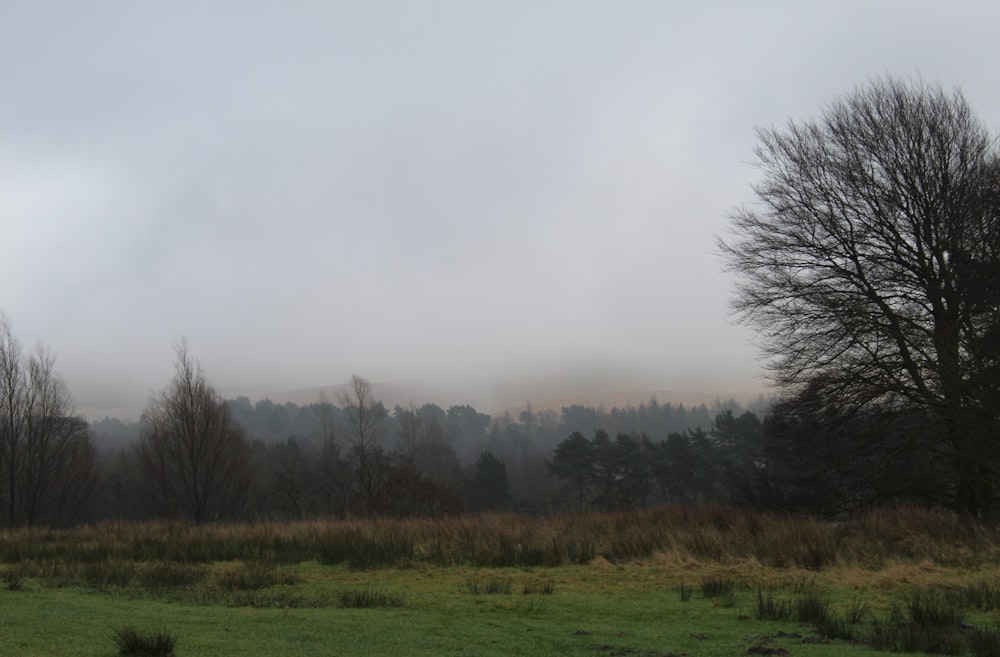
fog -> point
(413, 191)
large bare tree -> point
(47, 463)
(863, 265)
(195, 455)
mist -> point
(430, 193)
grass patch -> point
(768, 606)
(717, 587)
(538, 588)
(368, 599)
(984, 641)
(254, 576)
(490, 585)
(267, 589)
(13, 578)
(811, 606)
(926, 622)
(129, 640)
(104, 575)
(166, 575)
(685, 591)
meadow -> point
(663, 582)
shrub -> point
(130, 641)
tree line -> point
(198, 456)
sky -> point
(413, 191)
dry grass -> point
(901, 545)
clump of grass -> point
(811, 606)
(131, 641)
(834, 626)
(727, 601)
(534, 606)
(857, 612)
(926, 623)
(685, 592)
(254, 576)
(107, 574)
(368, 598)
(491, 585)
(170, 575)
(929, 608)
(984, 641)
(13, 578)
(538, 587)
(280, 599)
(979, 595)
(360, 549)
(716, 587)
(769, 607)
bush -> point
(130, 641)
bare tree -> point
(193, 452)
(47, 464)
(366, 417)
(856, 267)
(411, 430)
(331, 472)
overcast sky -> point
(412, 190)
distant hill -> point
(497, 396)
(593, 387)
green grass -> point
(704, 583)
(590, 610)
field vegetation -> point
(666, 581)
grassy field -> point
(657, 583)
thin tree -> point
(192, 450)
(366, 417)
(856, 266)
(47, 463)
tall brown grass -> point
(707, 534)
